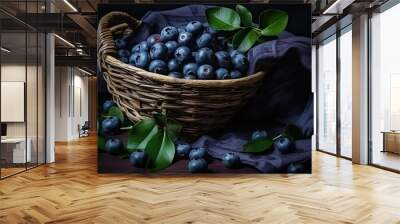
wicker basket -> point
(200, 105)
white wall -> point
(71, 102)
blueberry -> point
(185, 38)
(172, 46)
(174, 65)
(120, 43)
(190, 77)
(240, 63)
(123, 53)
(158, 51)
(152, 39)
(223, 59)
(113, 146)
(197, 165)
(183, 54)
(169, 33)
(197, 153)
(205, 72)
(233, 53)
(296, 168)
(194, 27)
(158, 66)
(259, 134)
(284, 145)
(181, 29)
(209, 29)
(110, 125)
(176, 75)
(222, 73)
(124, 60)
(142, 46)
(231, 160)
(204, 40)
(205, 56)
(235, 74)
(138, 159)
(183, 150)
(190, 69)
(107, 105)
(140, 59)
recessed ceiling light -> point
(84, 71)
(70, 5)
(5, 50)
(338, 6)
(65, 41)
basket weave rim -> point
(189, 82)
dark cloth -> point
(284, 97)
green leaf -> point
(245, 15)
(245, 39)
(221, 18)
(258, 146)
(141, 134)
(116, 112)
(160, 119)
(173, 129)
(293, 132)
(273, 22)
(161, 151)
(101, 142)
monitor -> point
(3, 129)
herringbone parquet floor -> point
(71, 191)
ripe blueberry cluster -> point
(197, 161)
(195, 51)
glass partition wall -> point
(334, 94)
(22, 77)
(385, 89)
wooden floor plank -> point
(71, 191)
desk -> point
(391, 141)
(16, 147)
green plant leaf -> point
(101, 142)
(174, 129)
(160, 119)
(222, 18)
(161, 151)
(245, 15)
(258, 146)
(245, 39)
(116, 112)
(293, 132)
(141, 134)
(273, 22)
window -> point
(346, 72)
(327, 96)
(385, 89)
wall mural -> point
(204, 88)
